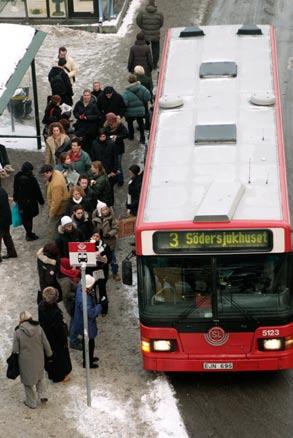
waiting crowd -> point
(83, 165)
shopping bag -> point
(16, 216)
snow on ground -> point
(126, 400)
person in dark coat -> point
(110, 101)
(104, 150)
(101, 271)
(100, 184)
(81, 220)
(53, 111)
(140, 54)
(134, 188)
(60, 82)
(87, 118)
(97, 90)
(77, 198)
(28, 195)
(117, 132)
(48, 268)
(5, 222)
(51, 321)
(150, 21)
(90, 196)
(93, 310)
(67, 232)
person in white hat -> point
(67, 232)
(93, 310)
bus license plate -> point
(218, 366)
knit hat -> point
(89, 281)
(27, 167)
(25, 316)
(139, 70)
(135, 169)
(111, 118)
(100, 205)
(140, 36)
(66, 220)
(50, 295)
(108, 89)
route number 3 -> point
(271, 332)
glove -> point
(104, 303)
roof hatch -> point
(192, 31)
(249, 29)
(218, 69)
(209, 134)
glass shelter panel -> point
(37, 8)
(18, 119)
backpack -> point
(57, 84)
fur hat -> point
(66, 220)
(50, 295)
(111, 118)
(139, 70)
(135, 169)
(25, 316)
(89, 281)
(108, 89)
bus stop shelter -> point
(16, 101)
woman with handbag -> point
(30, 343)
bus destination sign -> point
(209, 241)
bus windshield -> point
(221, 287)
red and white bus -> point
(213, 234)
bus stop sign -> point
(82, 252)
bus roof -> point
(218, 157)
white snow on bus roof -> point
(15, 40)
(183, 172)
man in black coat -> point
(5, 222)
(60, 82)
(110, 101)
(134, 189)
(28, 195)
(140, 54)
(104, 150)
(87, 117)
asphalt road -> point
(250, 405)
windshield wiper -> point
(241, 309)
(192, 307)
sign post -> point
(83, 254)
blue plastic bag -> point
(16, 216)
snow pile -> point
(160, 410)
(19, 38)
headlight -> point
(289, 342)
(272, 344)
(162, 345)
